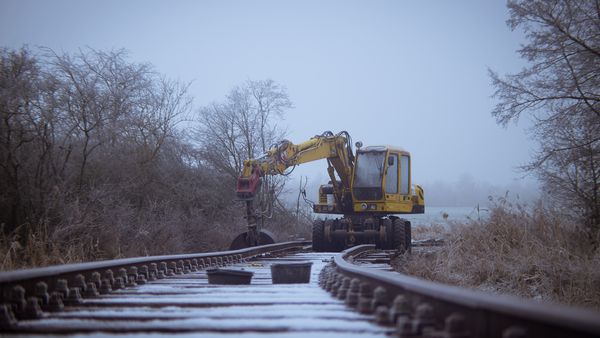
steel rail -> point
(29, 278)
(476, 314)
(192, 304)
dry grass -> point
(429, 232)
(35, 246)
(36, 250)
(535, 254)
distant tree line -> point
(101, 157)
(560, 90)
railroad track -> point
(350, 294)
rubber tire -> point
(387, 243)
(408, 236)
(400, 235)
(318, 236)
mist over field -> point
(464, 191)
(136, 128)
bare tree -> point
(560, 90)
(242, 127)
(19, 94)
(92, 163)
(95, 164)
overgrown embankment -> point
(102, 158)
(534, 253)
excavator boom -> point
(335, 148)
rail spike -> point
(456, 326)
(153, 272)
(74, 297)
(365, 298)
(32, 309)
(96, 279)
(343, 289)
(62, 288)
(404, 328)
(424, 319)
(123, 276)
(17, 299)
(132, 276)
(514, 332)
(163, 268)
(400, 308)
(143, 270)
(41, 292)
(380, 297)
(119, 284)
(108, 275)
(353, 293)
(79, 283)
(105, 287)
(91, 291)
(56, 302)
(382, 315)
(172, 269)
(7, 318)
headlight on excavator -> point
(373, 206)
(363, 206)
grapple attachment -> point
(251, 238)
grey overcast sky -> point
(406, 73)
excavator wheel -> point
(318, 236)
(401, 235)
(408, 236)
(242, 241)
(387, 243)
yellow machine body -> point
(368, 187)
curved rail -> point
(416, 305)
(149, 267)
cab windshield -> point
(368, 175)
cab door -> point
(391, 178)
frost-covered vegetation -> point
(550, 253)
(529, 252)
(559, 90)
(101, 158)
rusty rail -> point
(407, 305)
(422, 308)
(22, 291)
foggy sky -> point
(405, 73)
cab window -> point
(404, 175)
(391, 178)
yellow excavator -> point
(368, 188)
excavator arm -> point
(336, 148)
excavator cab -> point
(382, 182)
(380, 189)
